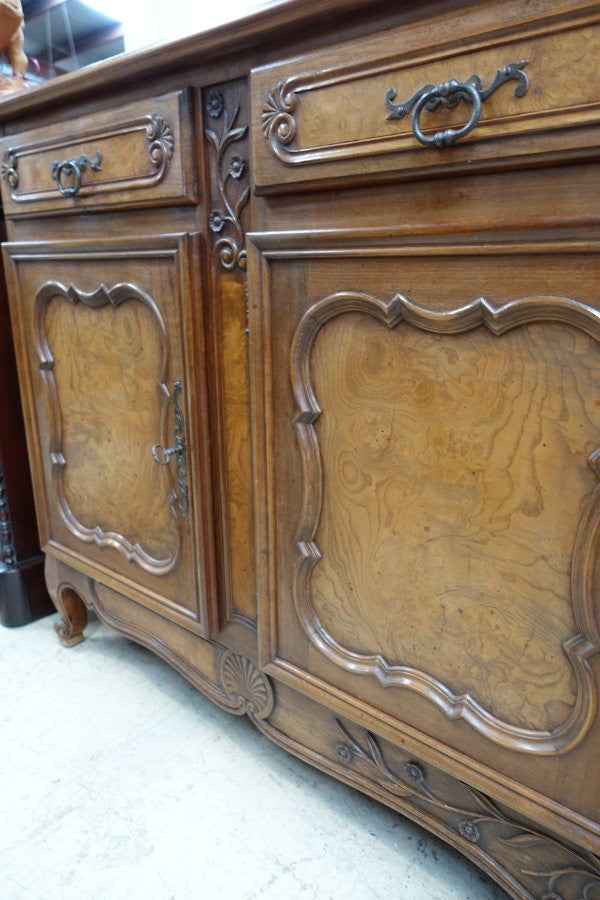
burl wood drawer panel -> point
(134, 155)
(111, 389)
(428, 433)
(336, 113)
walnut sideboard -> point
(306, 310)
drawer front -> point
(136, 155)
(337, 114)
(106, 365)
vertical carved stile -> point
(230, 180)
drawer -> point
(135, 155)
(335, 114)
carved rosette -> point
(9, 169)
(7, 549)
(529, 858)
(161, 142)
(247, 687)
(278, 120)
(231, 181)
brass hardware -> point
(449, 94)
(74, 167)
(162, 454)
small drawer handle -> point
(74, 167)
(449, 94)
(162, 454)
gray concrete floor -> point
(118, 780)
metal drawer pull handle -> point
(449, 94)
(74, 167)
(162, 454)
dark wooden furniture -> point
(23, 594)
(310, 381)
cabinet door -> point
(427, 432)
(107, 367)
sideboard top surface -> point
(320, 20)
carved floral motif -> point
(229, 248)
(479, 821)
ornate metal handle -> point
(449, 94)
(162, 454)
(74, 167)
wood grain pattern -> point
(423, 435)
(436, 459)
(108, 486)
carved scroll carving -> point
(535, 860)
(161, 142)
(10, 169)
(578, 649)
(230, 170)
(278, 120)
(97, 299)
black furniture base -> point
(23, 594)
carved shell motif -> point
(245, 685)
(9, 169)
(160, 135)
(278, 122)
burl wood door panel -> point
(106, 358)
(429, 438)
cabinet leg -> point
(70, 605)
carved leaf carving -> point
(229, 248)
(493, 835)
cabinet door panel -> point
(107, 360)
(429, 435)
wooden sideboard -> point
(306, 310)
